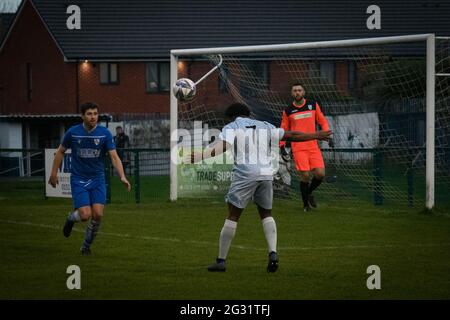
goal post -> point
(309, 53)
(430, 111)
(173, 127)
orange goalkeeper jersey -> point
(303, 118)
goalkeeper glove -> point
(285, 153)
(331, 143)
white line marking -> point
(206, 243)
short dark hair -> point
(88, 105)
(297, 83)
(119, 127)
(237, 109)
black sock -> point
(314, 184)
(304, 188)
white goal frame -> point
(430, 90)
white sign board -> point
(354, 131)
(62, 189)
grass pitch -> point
(160, 250)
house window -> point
(256, 77)
(157, 77)
(109, 73)
(328, 71)
(29, 82)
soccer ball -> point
(184, 89)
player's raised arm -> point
(117, 163)
(59, 155)
(214, 149)
(298, 136)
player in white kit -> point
(253, 143)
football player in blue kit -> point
(89, 143)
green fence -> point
(146, 169)
(368, 174)
(22, 162)
(148, 172)
(390, 176)
(380, 179)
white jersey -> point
(254, 144)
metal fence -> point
(22, 162)
(147, 170)
(371, 174)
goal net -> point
(380, 96)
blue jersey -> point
(88, 150)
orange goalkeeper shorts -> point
(306, 160)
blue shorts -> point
(86, 192)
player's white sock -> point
(226, 236)
(74, 216)
(270, 231)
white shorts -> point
(242, 191)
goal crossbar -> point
(302, 45)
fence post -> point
(137, 187)
(108, 179)
(378, 177)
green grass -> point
(160, 250)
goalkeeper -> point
(303, 115)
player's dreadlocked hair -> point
(237, 109)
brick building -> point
(120, 56)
